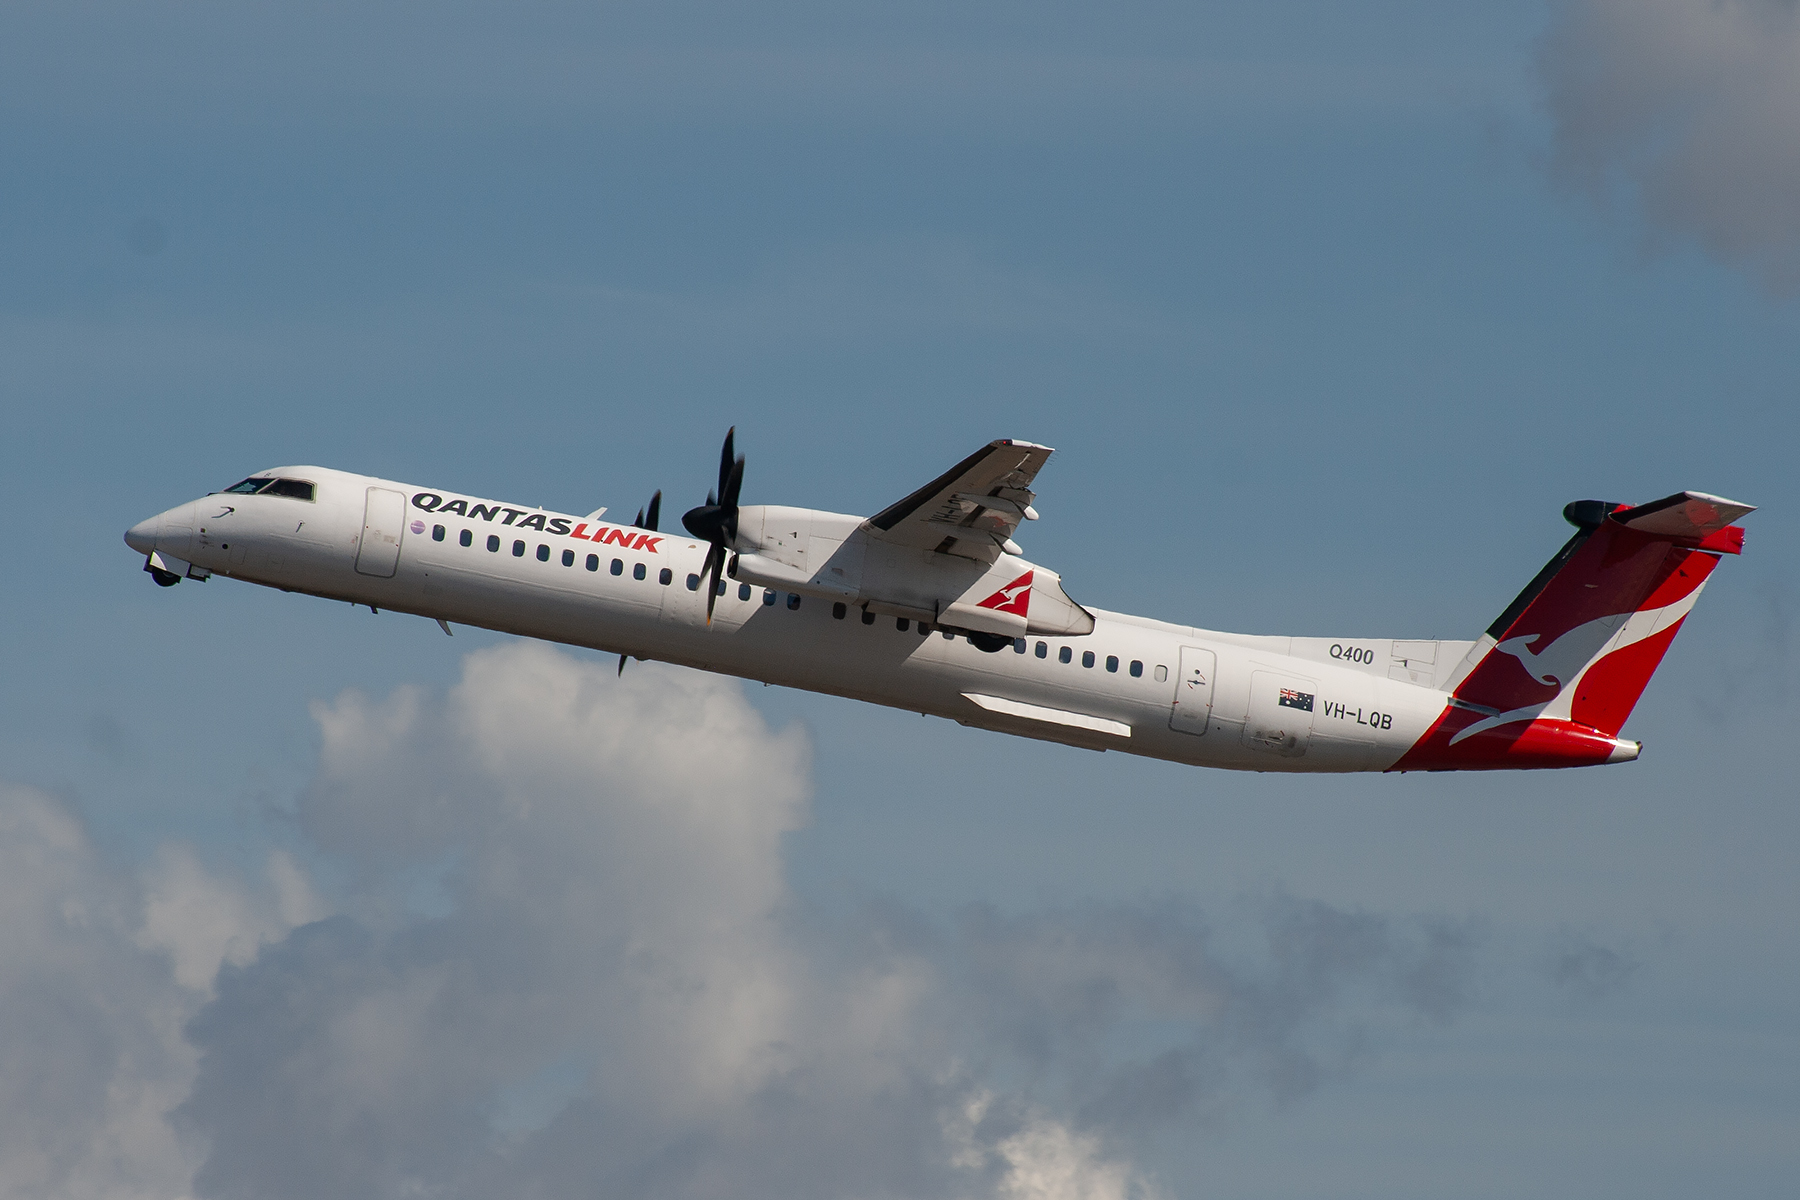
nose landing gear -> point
(170, 571)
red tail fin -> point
(1561, 669)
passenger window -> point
(1087, 658)
(1162, 673)
(924, 629)
(465, 538)
(693, 583)
(1042, 650)
(543, 552)
(768, 598)
(637, 570)
(838, 611)
(902, 624)
(743, 591)
(518, 549)
(948, 636)
(1065, 654)
(665, 577)
(493, 543)
(593, 563)
(1137, 669)
(1018, 645)
(868, 618)
(568, 558)
(437, 533)
(793, 600)
(721, 587)
(618, 566)
(1112, 663)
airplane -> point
(930, 606)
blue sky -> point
(1328, 310)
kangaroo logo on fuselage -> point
(1014, 598)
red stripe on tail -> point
(1609, 689)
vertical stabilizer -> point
(1558, 673)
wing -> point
(972, 509)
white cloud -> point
(611, 990)
(99, 972)
(91, 1053)
(1690, 105)
(202, 920)
(1044, 1160)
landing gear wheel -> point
(163, 578)
(989, 643)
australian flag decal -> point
(1292, 699)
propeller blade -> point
(717, 564)
(728, 498)
(650, 517)
(725, 456)
(706, 567)
(621, 666)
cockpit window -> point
(298, 489)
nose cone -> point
(142, 536)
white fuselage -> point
(1146, 687)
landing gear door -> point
(1194, 691)
(383, 515)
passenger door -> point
(1193, 691)
(384, 519)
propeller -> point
(716, 521)
(646, 519)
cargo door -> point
(1280, 718)
(384, 518)
(1193, 691)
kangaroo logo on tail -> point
(1562, 660)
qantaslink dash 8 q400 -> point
(930, 606)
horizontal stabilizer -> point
(1692, 515)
